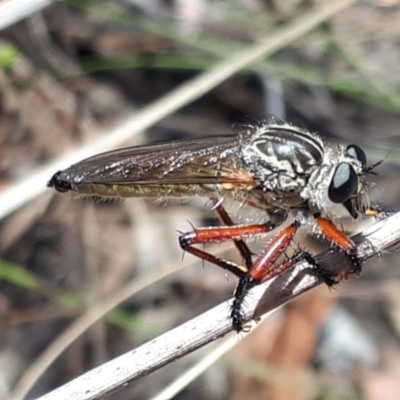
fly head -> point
(340, 181)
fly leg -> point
(377, 212)
(265, 268)
(223, 234)
(240, 245)
(343, 243)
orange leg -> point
(342, 241)
(223, 234)
(240, 245)
(247, 282)
(329, 230)
(264, 268)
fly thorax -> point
(281, 158)
(271, 173)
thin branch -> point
(192, 373)
(33, 185)
(381, 237)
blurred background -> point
(71, 72)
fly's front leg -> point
(342, 242)
(218, 235)
(338, 238)
(264, 268)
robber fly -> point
(285, 171)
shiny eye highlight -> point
(357, 153)
(344, 183)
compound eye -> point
(357, 153)
(344, 183)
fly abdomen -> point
(126, 190)
(59, 184)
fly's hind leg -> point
(264, 268)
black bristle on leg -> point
(237, 316)
(357, 265)
(331, 276)
(323, 270)
(322, 273)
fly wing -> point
(199, 161)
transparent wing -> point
(206, 160)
